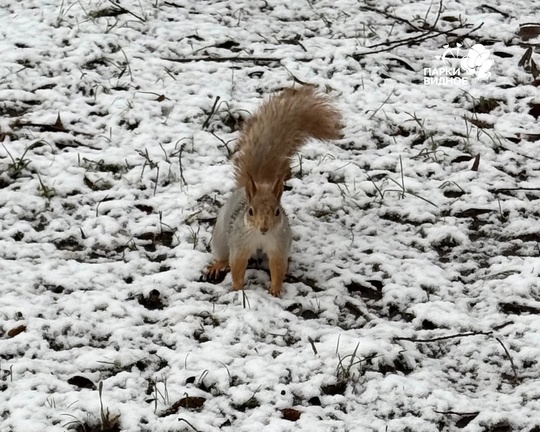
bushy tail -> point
(279, 128)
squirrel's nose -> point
(263, 230)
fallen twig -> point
(514, 189)
(189, 424)
(493, 9)
(212, 112)
(454, 336)
(414, 39)
(124, 10)
(312, 343)
(516, 378)
(238, 59)
(390, 16)
(390, 45)
(425, 31)
(465, 414)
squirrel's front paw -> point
(275, 290)
(215, 272)
(238, 286)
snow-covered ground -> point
(412, 301)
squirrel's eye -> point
(277, 212)
(250, 211)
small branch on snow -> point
(493, 9)
(233, 59)
(503, 325)
(390, 16)
(460, 335)
(514, 189)
(390, 45)
(415, 40)
(127, 11)
(312, 343)
(516, 378)
(428, 31)
(438, 14)
(464, 414)
(212, 112)
(189, 424)
(454, 336)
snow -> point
(412, 298)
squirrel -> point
(252, 219)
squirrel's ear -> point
(251, 188)
(277, 189)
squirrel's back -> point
(278, 129)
